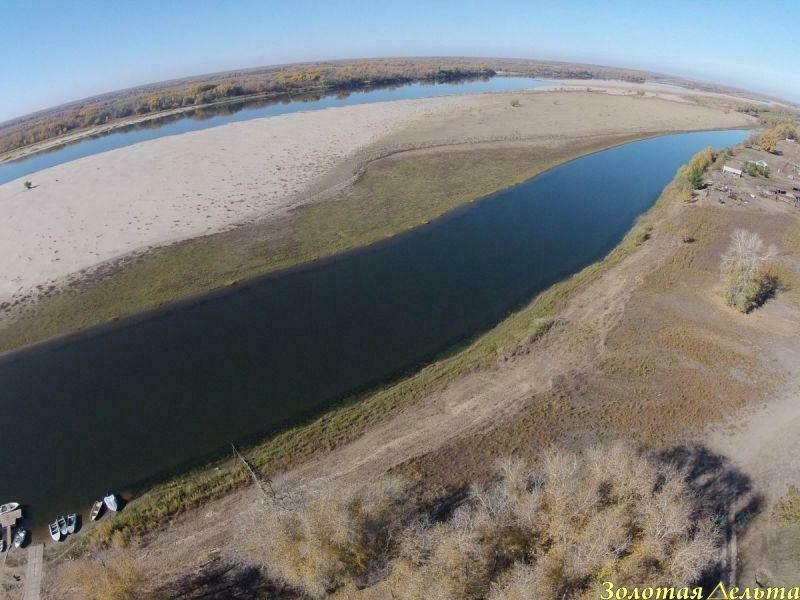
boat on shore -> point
(19, 537)
(55, 531)
(72, 522)
(97, 509)
(62, 525)
(8, 507)
(111, 502)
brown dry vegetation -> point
(115, 578)
(549, 531)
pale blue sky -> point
(53, 51)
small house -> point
(726, 170)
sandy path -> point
(762, 441)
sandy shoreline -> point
(86, 212)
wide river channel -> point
(136, 401)
(214, 116)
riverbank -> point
(638, 345)
(159, 196)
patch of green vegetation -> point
(690, 176)
(642, 234)
(394, 195)
(755, 170)
(351, 418)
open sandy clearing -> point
(86, 212)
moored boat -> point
(72, 522)
(8, 507)
(110, 501)
(62, 525)
(97, 508)
(19, 537)
(55, 531)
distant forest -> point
(323, 77)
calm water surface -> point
(243, 111)
(125, 405)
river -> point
(214, 116)
(139, 400)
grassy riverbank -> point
(394, 194)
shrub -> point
(752, 140)
(561, 530)
(28, 185)
(755, 170)
(745, 270)
(335, 537)
(642, 235)
(788, 509)
(117, 578)
(515, 102)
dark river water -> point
(214, 116)
(139, 400)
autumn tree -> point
(769, 140)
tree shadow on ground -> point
(221, 579)
(724, 493)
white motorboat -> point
(111, 502)
(19, 537)
(55, 531)
(8, 507)
(72, 522)
(62, 526)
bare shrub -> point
(116, 578)
(558, 531)
(336, 536)
(745, 270)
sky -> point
(53, 51)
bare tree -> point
(744, 269)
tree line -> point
(277, 81)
